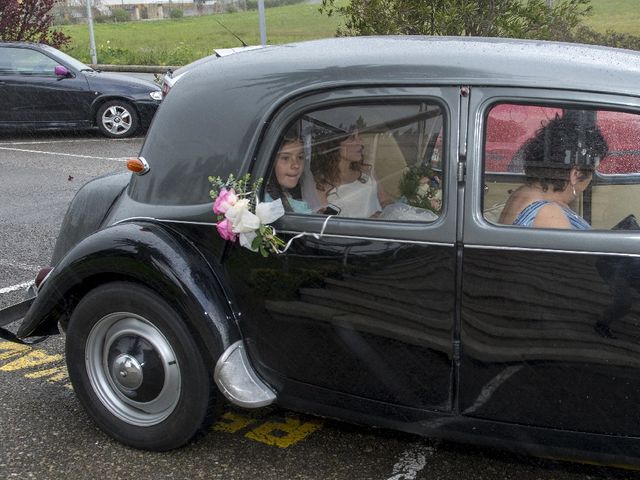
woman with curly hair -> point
(344, 183)
(559, 162)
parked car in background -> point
(428, 316)
(44, 88)
(172, 76)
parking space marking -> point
(84, 140)
(411, 462)
(26, 150)
(284, 434)
(275, 430)
(13, 288)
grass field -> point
(177, 42)
(618, 15)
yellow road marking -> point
(54, 374)
(231, 422)
(33, 358)
(276, 433)
(10, 349)
(284, 434)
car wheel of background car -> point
(117, 119)
(136, 369)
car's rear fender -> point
(149, 254)
(87, 211)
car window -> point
(552, 167)
(26, 62)
(379, 161)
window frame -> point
(480, 232)
(440, 231)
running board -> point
(238, 381)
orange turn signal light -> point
(138, 165)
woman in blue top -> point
(558, 162)
(284, 181)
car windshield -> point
(69, 60)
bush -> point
(176, 13)
(120, 15)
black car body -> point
(448, 324)
(43, 88)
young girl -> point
(284, 182)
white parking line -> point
(47, 142)
(411, 462)
(120, 159)
(13, 288)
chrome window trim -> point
(480, 231)
(551, 250)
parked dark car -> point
(428, 316)
(44, 88)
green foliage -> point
(120, 15)
(181, 41)
(564, 21)
(176, 13)
(491, 18)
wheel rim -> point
(132, 369)
(117, 120)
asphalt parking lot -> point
(46, 434)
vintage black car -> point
(416, 307)
(44, 88)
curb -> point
(135, 68)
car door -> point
(550, 318)
(32, 93)
(361, 308)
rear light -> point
(165, 89)
(138, 165)
(42, 276)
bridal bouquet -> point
(241, 215)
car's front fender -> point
(147, 253)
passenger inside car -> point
(345, 184)
(559, 162)
(285, 179)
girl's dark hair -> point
(568, 141)
(273, 188)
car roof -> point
(456, 60)
(213, 118)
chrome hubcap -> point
(133, 369)
(127, 372)
(117, 120)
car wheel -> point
(117, 119)
(136, 369)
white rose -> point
(423, 189)
(241, 218)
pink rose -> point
(225, 230)
(224, 200)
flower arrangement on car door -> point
(241, 215)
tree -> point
(491, 18)
(29, 20)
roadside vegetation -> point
(183, 40)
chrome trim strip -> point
(551, 250)
(377, 239)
